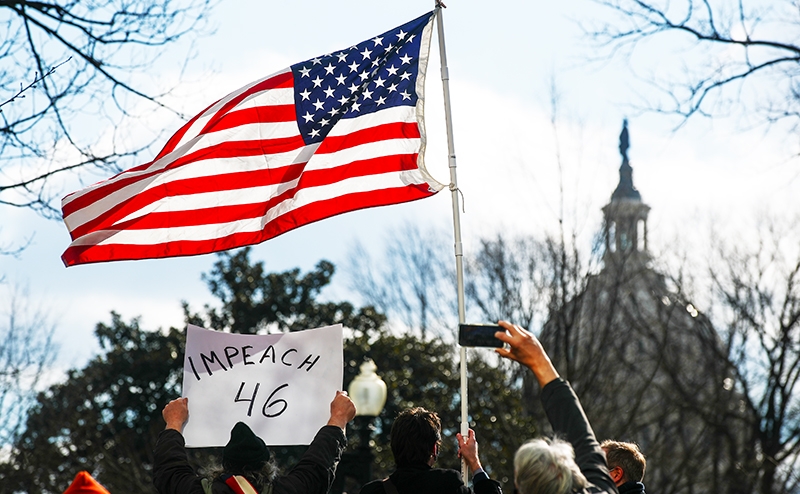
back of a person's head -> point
(628, 457)
(415, 431)
(547, 466)
(245, 451)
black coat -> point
(313, 474)
(631, 488)
(423, 479)
(569, 422)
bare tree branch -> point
(26, 352)
(760, 293)
(729, 49)
(414, 283)
(37, 78)
(53, 130)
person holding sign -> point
(550, 465)
(245, 457)
(415, 438)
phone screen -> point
(479, 335)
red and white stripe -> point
(239, 174)
(240, 485)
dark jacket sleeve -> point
(172, 473)
(487, 486)
(374, 487)
(315, 471)
(569, 422)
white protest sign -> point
(281, 385)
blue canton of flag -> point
(373, 75)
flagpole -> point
(451, 155)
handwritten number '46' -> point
(269, 403)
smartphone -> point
(479, 335)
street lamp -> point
(368, 392)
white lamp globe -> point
(368, 391)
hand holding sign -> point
(342, 410)
(176, 413)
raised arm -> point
(171, 469)
(481, 483)
(315, 471)
(560, 403)
(468, 451)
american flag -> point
(336, 133)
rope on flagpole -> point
(454, 188)
(451, 153)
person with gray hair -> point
(555, 466)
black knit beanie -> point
(245, 450)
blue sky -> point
(503, 59)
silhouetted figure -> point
(245, 459)
(624, 143)
(415, 438)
